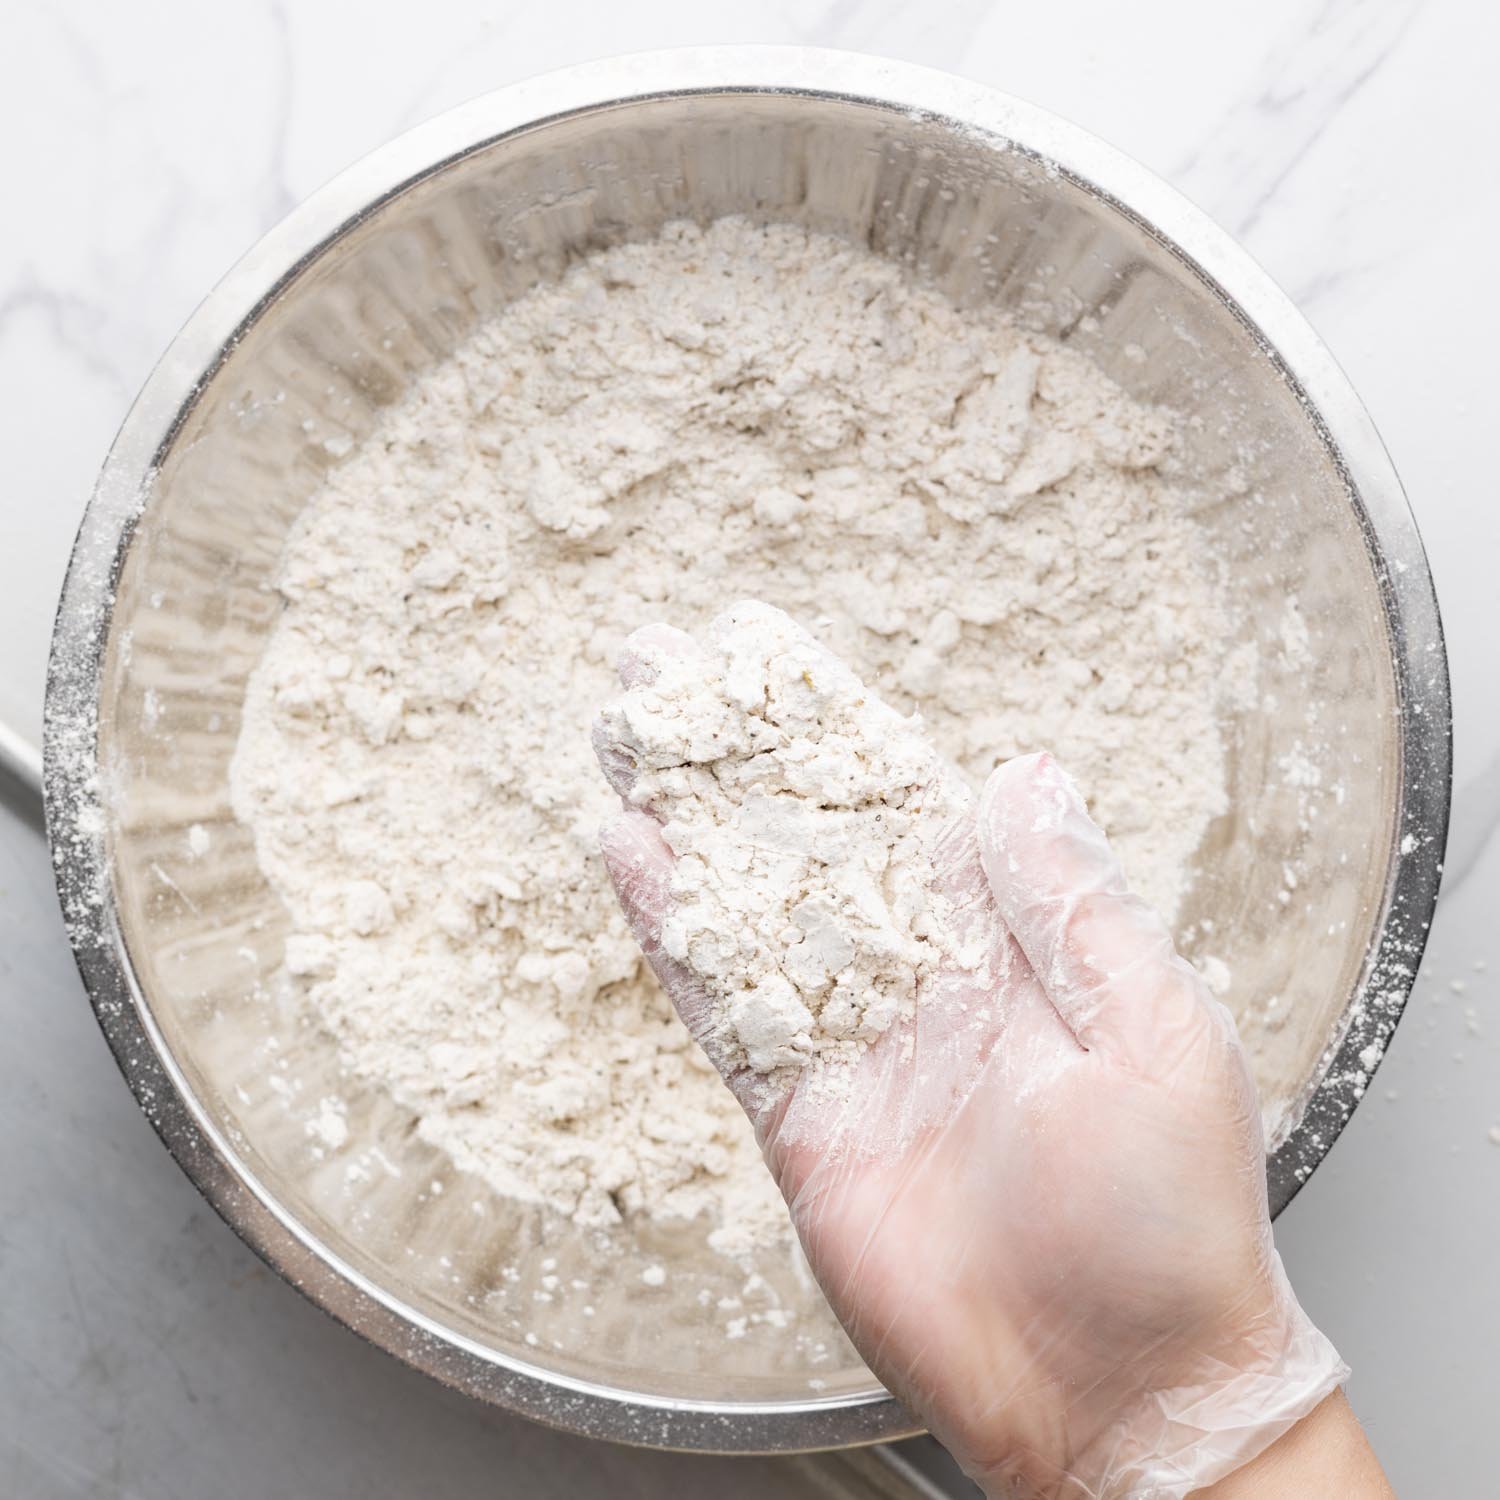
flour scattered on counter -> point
(971, 516)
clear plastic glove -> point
(1041, 1212)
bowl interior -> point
(1292, 880)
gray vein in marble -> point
(1336, 106)
(1321, 282)
(82, 51)
(72, 322)
(1311, 79)
(1475, 819)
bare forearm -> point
(1327, 1453)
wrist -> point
(1326, 1453)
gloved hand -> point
(1045, 1230)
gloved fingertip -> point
(1026, 804)
(640, 660)
(1036, 782)
(632, 843)
(640, 865)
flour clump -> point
(806, 816)
(970, 515)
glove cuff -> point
(1178, 1440)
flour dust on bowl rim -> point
(1339, 770)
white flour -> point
(972, 517)
(808, 819)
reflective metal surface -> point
(1339, 761)
(20, 775)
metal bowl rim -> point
(82, 635)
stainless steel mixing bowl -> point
(1339, 765)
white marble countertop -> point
(143, 1350)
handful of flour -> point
(807, 818)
